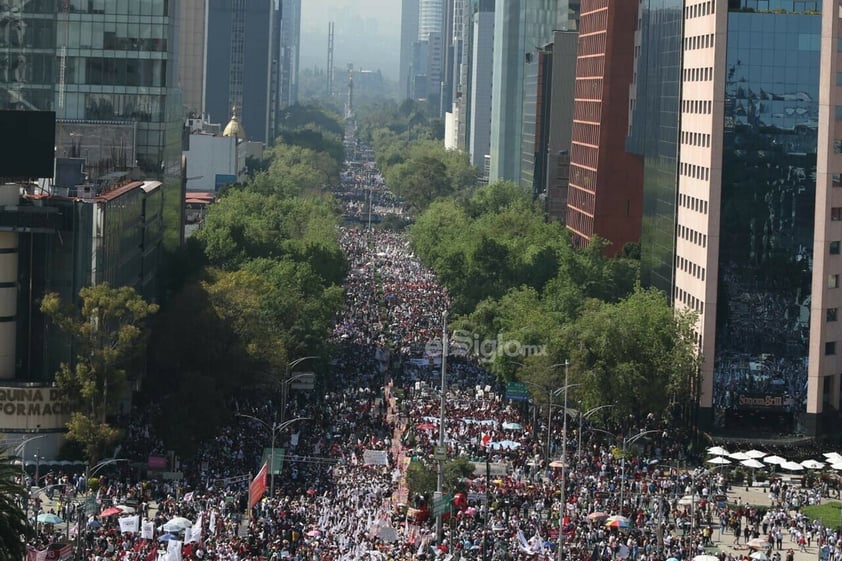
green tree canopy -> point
(14, 526)
(108, 330)
(637, 353)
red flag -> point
(258, 485)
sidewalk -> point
(757, 496)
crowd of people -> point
(342, 493)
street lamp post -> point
(551, 393)
(286, 381)
(274, 428)
(440, 479)
(626, 442)
(582, 417)
(563, 506)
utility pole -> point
(440, 481)
(563, 507)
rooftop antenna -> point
(330, 30)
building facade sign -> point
(23, 408)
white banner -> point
(147, 530)
(375, 457)
(129, 524)
(196, 530)
(174, 550)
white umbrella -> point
(177, 524)
(755, 454)
(717, 451)
(833, 457)
(687, 500)
(792, 466)
(739, 456)
(752, 463)
(812, 464)
(759, 556)
(126, 509)
(706, 558)
(837, 467)
(719, 460)
(774, 460)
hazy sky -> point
(367, 34)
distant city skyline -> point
(367, 34)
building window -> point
(830, 348)
(834, 248)
(833, 281)
(837, 179)
(837, 146)
(832, 314)
(836, 213)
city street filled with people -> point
(626, 491)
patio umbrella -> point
(110, 511)
(177, 524)
(837, 467)
(126, 509)
(833, 457)
(774, 460)
(752, 463)
(719, 461)
(812, 464)
(792, 466)
(717, 451)
(755, 454)
(739, 456)
(759, 556)
(596, 516)
(617, 522)
(758, 543)
(49, 518)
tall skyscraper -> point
(521, 28)
(655, 108)
(290, 52)
(506, 91)
(482, 58)
(605, 190)
(191, 48)
(559, 137)
(81, 60)
(757, 224)
(409, 36)
(243, 48)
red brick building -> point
(605, 195)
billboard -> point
(27, 147)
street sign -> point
(441, 504)
(440, 453)
(276, 461)
(516, 391)
(303, 381)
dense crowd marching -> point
(329, 503)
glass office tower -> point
(767, 213)
(653, 134)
